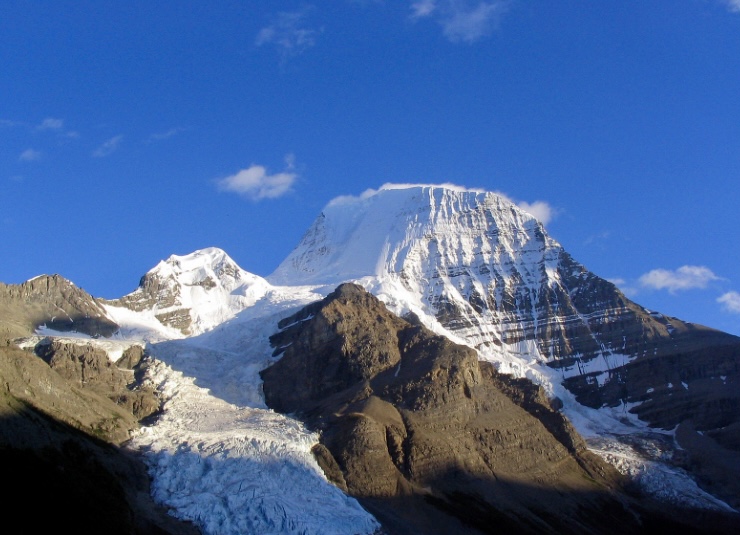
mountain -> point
(585, 374)
(477, 268)
(53, 302)
(194, 293)
(426, 435)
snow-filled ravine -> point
(217, 456)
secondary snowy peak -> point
(195, 292)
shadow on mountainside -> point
(471, 512)
(58, 451)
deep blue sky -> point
(126, 129)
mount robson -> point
(427, 360)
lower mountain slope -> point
(431, 440)
(63, 416)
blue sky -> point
(130, 131)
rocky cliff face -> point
(431, 439)
(475, 266)
(54, 302)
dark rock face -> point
(87, 367)
(58, 443)
(159, 292)
(430, 439)
(52, 301)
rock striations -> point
(430, 439)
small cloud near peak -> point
(29, 155)
(462, 21)
(50, 123)
(683, 278)
(289, 33)
(161, 136)
(730, 302)
(423, 8)
(108, 147)
(541, 210)
(732, 5)
(256, 183)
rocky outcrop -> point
(159, 292)
(58, 442)
(54, 302)
(430, 439)
(90, 368)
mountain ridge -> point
(468, 265)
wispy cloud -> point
(732, 5)
(423, 8)
(625, 287)
(730, 302)
(462, 21)
(255, 183)
(29, 155)
(684, 278)
(161, 136)
(108, 148)
(289, 33)
(50, 123)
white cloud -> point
(29, 155)
(464, 21)
(625, 287)
(539, 209)
(684, 278)
(161, 136)
(732, 5)
(423, 8)
(289, 33)
(108, 148)
(254, 182)
(50, 123)
(730, 302)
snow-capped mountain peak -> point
(389, 231)
(209, 268)
(195, 292)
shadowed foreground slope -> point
(59, 449)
